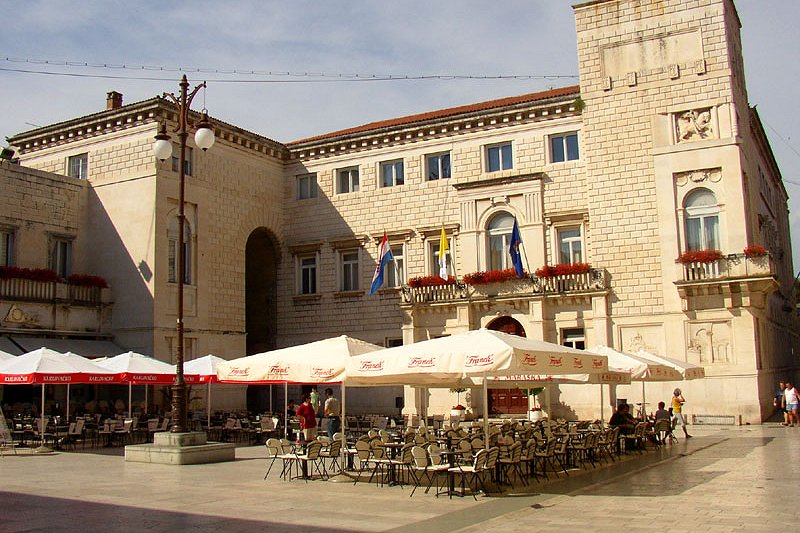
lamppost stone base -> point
(190, 448)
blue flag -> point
(384, 257)
(513, 249)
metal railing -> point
(730, 266)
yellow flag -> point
(443, 255)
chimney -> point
(113, 100)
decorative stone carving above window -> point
(694, 125)
(713, 175)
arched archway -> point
(507, 401)
(262, 258)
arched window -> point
(499, 237)
(701, 215)
(172, 236)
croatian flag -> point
(384, 257)
(513, 249)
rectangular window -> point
(308, 274)
(564, 148)
(435, 258)
(438, 166)
(347, 180)
(306, 186)
(394, 274)
(61, 257)
(172, 257)
(392, 342)
(349, 270)
(187, 162)
(392, 173)
(570, 246)
(78, 166)
(498, 157)
(574, 338)
(6, 247)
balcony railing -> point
(26, 290)
(593, 280)
(729, 267)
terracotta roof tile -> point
(443, 113)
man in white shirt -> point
(792, 400)
(333, 412)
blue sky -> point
(413, 37)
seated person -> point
(622, 418)
(662, 413)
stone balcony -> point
(593, 281)
(54, 306)
(733, 281)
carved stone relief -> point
(694, 125)
(647, 337)
(709, 342)
(18, 317)
(714, 175)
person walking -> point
(315, 403)
(308, 419)
(792, 397)
(677, 415)
(780, 403)
(333, 412)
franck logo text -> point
(279, 370)
(529, 359)
(556, 361)
(240, 372)
(479, 360)
(577, 362)
(421, 362)
(322, 372)
(371, 366)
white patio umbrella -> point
(479, 353)
(137, 369)
(687, 370)
(203, 370)
(5, 356)
(642, 366)
(43, 366)
(320, 361)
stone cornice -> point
(505, 180)
(424, 130)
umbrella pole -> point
(208, 406)
(130, 397)
(644, 413)
(342, 476)
(42, 426)
(549, 404)
(602, 412)
(485, 413)
(146, 387)
(286, 409)
(67, 409)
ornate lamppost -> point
(162, 148)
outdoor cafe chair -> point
(608, 443)
(363, 454)
(661, 431)
(511, 464)
(305, 463)
(274, 452)
(331, 451)
(476, 443)
(464, 448)
(636, 439)
(423, 466)
(545, 455)
(471, 475)
(586, 448)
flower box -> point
(431, 281)
(754, 251)
(552, 271)
(699, 256)
(491, 276)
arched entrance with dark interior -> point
(507, 401)
(261, 290)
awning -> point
(85, 347)
(9, 347)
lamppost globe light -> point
(204, 136)
(162, 149)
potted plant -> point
(458, 409)
(536, 412)
(753, 251)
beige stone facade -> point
(655, 149)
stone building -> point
(656, 153)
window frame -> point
(308, 191)
(83, 166)
(60, 255)
(353, 185)
(579, 240)
(7, 245)
(505, 238)
(313, 284)
(433, 256)
(397, 167)
(349, 270)
(571, 337)
(501, 147)
(439, 167)
(172, 252)
(564, 142)
(187, 162)
(702, 214)
(394, 275)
